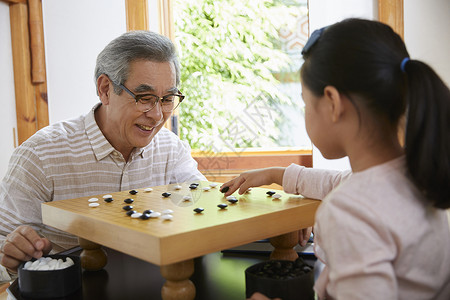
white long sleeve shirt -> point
(377, 236)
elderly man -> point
(119, 145)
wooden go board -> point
(255, 216)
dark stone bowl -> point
(50, 284)
(283, 279)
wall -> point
(426, 33)
(75, 32)
(7, 99)
(326, 12)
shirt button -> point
(115, 154)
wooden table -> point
(172, 245)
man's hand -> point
(259, 296)
(303, 236)
(21, 245)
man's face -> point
(127, 127)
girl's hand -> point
(254, 178)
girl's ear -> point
(335, 104)
(104, 89)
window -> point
(240, 63)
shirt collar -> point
(100, 145)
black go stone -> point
(199, 210)
(270, 193)
(225, 189)
(233, 201)
(128, 200)
(166, 194)
(283, 269)
(147, 211)
(108, 200)
(128, 207)
(130, 212)
(145, 216)
(193, 186)
(133, 192)
(222, 206)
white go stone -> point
(206, 188)
(213, 184)
(167, 217)
(148, 190)
(93, 200)
(167, 212)
(155, 214)
(48, 263)
(178, 187)
(276, 196)
(58, 264)
(107, 196)
(93, 204)
(187, 198)
(231, 197)
(248, 190)
(35, 263)
(136, 215)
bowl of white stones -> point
(52, 276)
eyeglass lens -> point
(168, 103)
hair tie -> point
(403, 64)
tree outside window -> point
(239, 72)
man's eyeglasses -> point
(146, 102)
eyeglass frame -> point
(313, 39)
(137, 98)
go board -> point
(188, 234)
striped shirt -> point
(72, 159)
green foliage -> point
(228, 51)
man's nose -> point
(155, 113)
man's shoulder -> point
(59, 131)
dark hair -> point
(362, 59)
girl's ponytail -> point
(427, 141)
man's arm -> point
(22, 191)
(186, 168)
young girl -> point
(382, 230)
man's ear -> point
(104, 88)
(334, 102)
